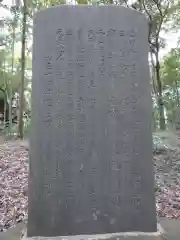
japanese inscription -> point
(91, 85)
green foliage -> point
(155, 188)
(170, 75)
(6, 76)
(171, 68)
(159, 14)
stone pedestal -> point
(159, 235)
(126, 237)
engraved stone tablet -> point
(91, 147)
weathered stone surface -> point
(159, 235)
(114, 238)
(126, 237)
(171, 231)
(91, 155)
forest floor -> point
(14, 179)
(167, 175)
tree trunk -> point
(161, 114)
(5, 94)
(23, 49)
(159, 88)
(4, 121)
(10, 80)
(153, 74)
(177, 93)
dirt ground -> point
(170, 138)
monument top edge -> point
(65, 7)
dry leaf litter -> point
(13, 184)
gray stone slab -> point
(91, 147)
(159, 235)
(170, 230)
(107, 238)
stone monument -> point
(91, 147)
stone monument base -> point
(113, 236)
